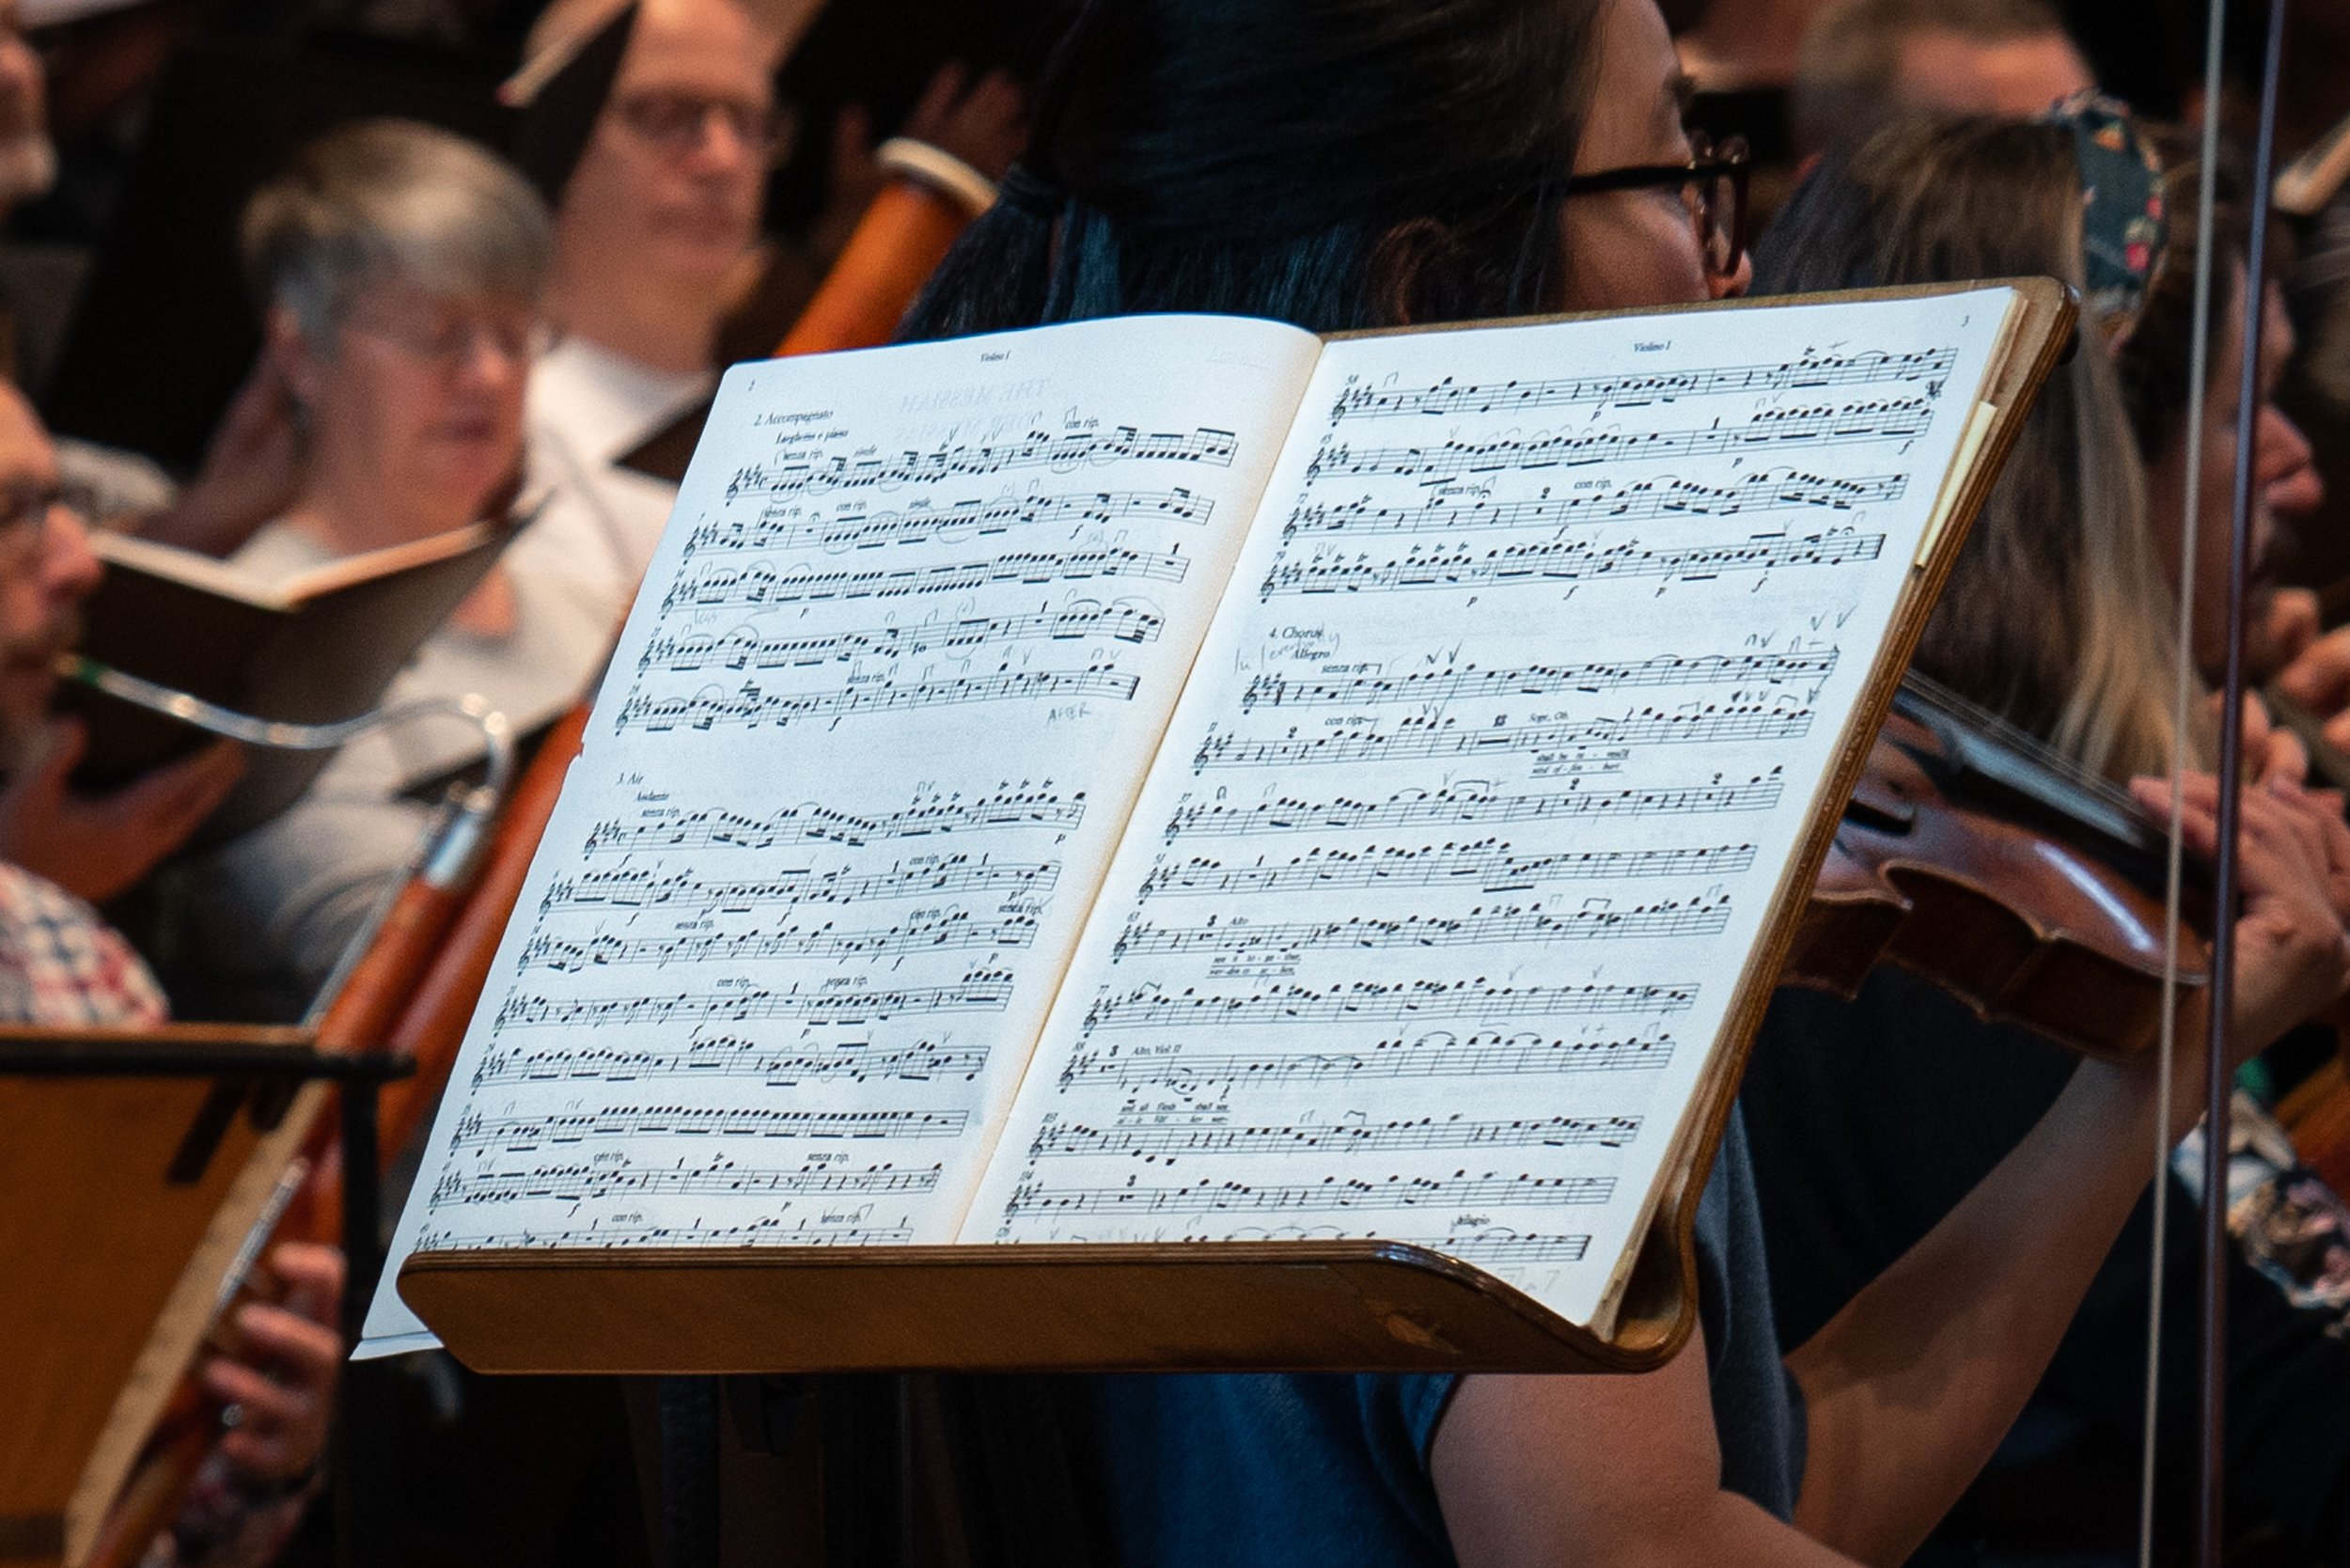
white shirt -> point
(281, 901)
(587, 407)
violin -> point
(1977, 857)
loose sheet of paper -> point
(1461, 840)
(852, 783)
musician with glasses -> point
(655, 239)
(402, 269)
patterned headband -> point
(2126, 222)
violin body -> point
(2055, 930)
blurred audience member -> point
(61, 965)
(654, 237)
(1864, 61)
(403, 268)
(37, 283)
(1738, 45)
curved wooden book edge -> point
(1327, 1306)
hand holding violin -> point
(2292, 958)
(280, 1380)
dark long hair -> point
(1334, 163)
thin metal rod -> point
(2217, 1079)
(2181, 725)
(285, 735)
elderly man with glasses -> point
(654, 234)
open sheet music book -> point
(1180, 779)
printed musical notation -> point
(1439, 1054)
(1063, 454)
(1889, 419)
(587, 1182)
(733, 534)
(1419, 738)
(1665, 669)
(1449, 396)
(764, 584)
(1479, 927)
(1164, 1144)
(1488, 866)
(525, 1134)
(987, 991)
(749, 705)
(652, 885)
(1509, 869)
(728, 1056)
(959, 930)
(1420, 916)
(812, 822)
(1569, 560)
(757, 932)
(595, 1229)
(1642, 501)
(1208, 1196)
(1468, 804)
(1149, 1008)
(742, 647)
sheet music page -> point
(1432, 912)
(852, 780)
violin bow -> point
(2217, 1081)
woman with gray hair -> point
(400, 270)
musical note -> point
(1062, 453)
(953, 931)
(813, 822)
(1150, 1008)
(1438, 1053)
(683, 654)
(523, 1134)
(1156, 1144)
(749, 705)
(1467, 803)
(1486, 867)
(1444, 686)
(649, 887)
(1647, 501)
(1447, 737)
(1665, 921)
(1568, 561)
(1812, 370)
(1824, 425)
(873, 530)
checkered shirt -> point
(61, 965)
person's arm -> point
(1909, 1388)
(1623, 1472)
(97, 846)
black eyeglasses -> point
(26, 507)
(1713, 186)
